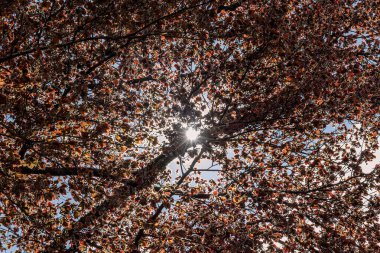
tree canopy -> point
(96, 98)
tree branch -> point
(140, 233)
(143, 179)
(61, 171)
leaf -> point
(82, 245)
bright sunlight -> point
(192, 134)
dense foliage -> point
(96, 98)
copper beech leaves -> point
(96, 98)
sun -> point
(192, 134)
